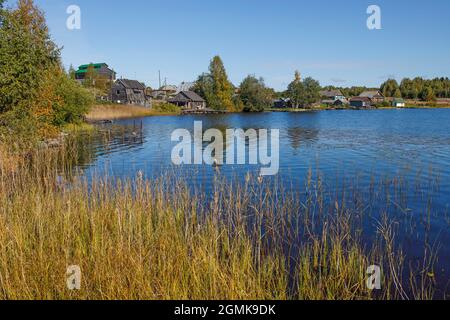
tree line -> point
(417, 88)
(414, 89)
(37, 96)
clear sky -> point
(325, 39)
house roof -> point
(95, 65)
(131, 84)
(398, 100)
(84, 68)
(185, 96)
(331, 93)
(364, 99)
(330, 101)
(168, 87)
(371, 94)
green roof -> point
(84, 68)
(95, 65)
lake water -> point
(409, 148)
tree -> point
(26, 53)
(222, 87)
(215, 87)
(254, 94)
(389, 88)
(36, 95)
(303, 93)
(312, 91)
(296, 90)
(74, 100)
(204, 87)
(427, 94)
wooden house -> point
(332, 95)
(101, 70)
(282, 103)
(374, 96)
(360, 102)
(340, 102)
(128, 92)
(188, 100)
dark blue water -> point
(407, 150)
(380, 142)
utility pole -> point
(159, 74)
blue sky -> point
(325, 39)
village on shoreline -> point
(191, 98)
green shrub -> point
(166, 107)
(76, 101)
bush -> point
(383, 104)
(76, 101)
(166, 107)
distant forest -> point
(417, 88)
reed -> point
(158, 239)
(115, 112)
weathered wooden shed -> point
(188, 100)
(128, 92)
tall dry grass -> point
(157, 239)
(116, 112)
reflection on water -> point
(299, 135)
(407, 150)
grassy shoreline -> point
(154, 239)
(116, 112)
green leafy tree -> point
(303, 93)
(215, 87)
(36, 95)
(311, 91)
(427, 94)
(75, 102)
(26, 53)
(389, 88)
(254, 94)
(223, 89)
(204, 87)
(296, 91)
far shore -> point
(102, 113)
